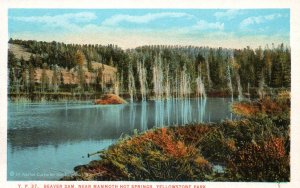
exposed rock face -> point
(110, 99)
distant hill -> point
(19, 51)
(69, 76)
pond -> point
(47, 140)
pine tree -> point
(25, 79)
(99, 79)
(44, 78)
(11, 64)
(31, 78)
(287, 70)
(80, 73)
(55, 79)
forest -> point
(146, 72)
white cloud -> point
(116, 19)
(62, 20)
(229, 14)
(258, 20)
(204, 25)
(77, 17)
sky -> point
(129, 28)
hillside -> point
(19, 51)
(68, 76)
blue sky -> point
(232, 28)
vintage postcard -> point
(132, 97)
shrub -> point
(154, 155)
(266, 161)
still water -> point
(46, 141)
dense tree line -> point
(254, 68)
(64, 55)
(245, 68)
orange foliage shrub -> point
(156, 155)
(274, 148)
(265, 106)
(245, 109)
(166, 142)
(265, 161)
(230, 143)
(192, 134)
(269, 106)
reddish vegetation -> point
(230, 144)
(171, 147)
(156, 154)
(110, 99)
(265, 106)
(164, 140)
(254, 158)
(274, 148)
(245, 109)
(270, 150)
(193, 134)
(149, 155)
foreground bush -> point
(155, 155)
(266, 161)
